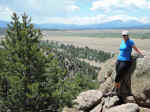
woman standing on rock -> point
(124, 59)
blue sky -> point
(77, 11)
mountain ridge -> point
(115, 24)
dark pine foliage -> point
(39, 78)
(24, 76)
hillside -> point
(133, 95)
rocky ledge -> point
(133, 95)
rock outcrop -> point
(89, 99)
(134, 91)
(135, 83)
(129, 107)
(95, 101)
(70, 110)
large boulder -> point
(95, 101)
(66, 109)
(88, 99)
(142, 109)
(98, 108)
(106, 103)
(135, 82)
(129, 107)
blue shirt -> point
(126, 50)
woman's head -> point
(125, 34)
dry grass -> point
(106, 44)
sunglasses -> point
(124, 35)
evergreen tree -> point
(38, 79)
(23, 76)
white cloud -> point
(37, 8)
(72, 20)
(91, 19)
(108, 5)
(5, 13)
(60, 11)
(70, 5)
(104, 4)
(43, 8)
(72, 8)
(145, 20)
(138, 3)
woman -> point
(124, 59)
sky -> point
(81, 12)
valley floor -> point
(105, 44)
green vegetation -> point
(22, 75)
(2, 31)
(109, 35)
(40, 76)
(76, 52)
(137, 34)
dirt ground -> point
(105, 44)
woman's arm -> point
(138, 50)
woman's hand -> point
(138, 50)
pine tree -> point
(31, 77)
(23, 76)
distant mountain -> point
(116, 24)
(3, 24)
(58, 26)
(119, 24)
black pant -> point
(121, 68)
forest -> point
(42, 76)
